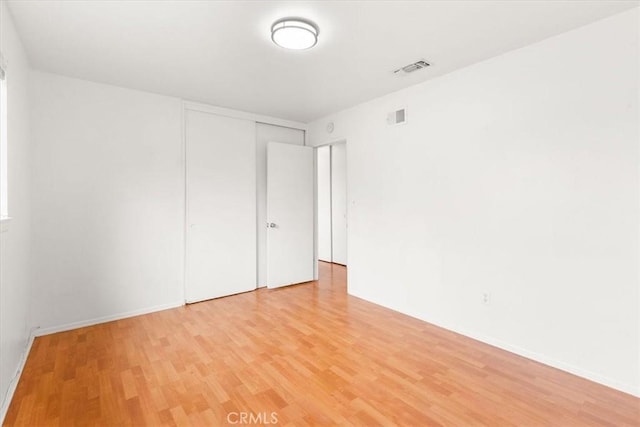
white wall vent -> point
(413, 67)
(397, 117)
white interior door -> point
(221, 206)
(339, 203)
(264, 134)
(290, 213)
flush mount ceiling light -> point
(294, 33)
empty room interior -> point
(398, 213)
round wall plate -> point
(330, 127)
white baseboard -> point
(545, 360)
(8, 397)
(538, 357)
(97, 320)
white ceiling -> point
(220, 52)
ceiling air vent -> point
(413, 67)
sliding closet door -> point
(221, 206)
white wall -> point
(265, 133)
(323, 170)
(15, 237)
(517, 177)
(109, 206)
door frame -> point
(315, 165)
(236, 114)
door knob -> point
(271, 225)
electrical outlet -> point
(486, 298)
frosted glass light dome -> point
(294, 33)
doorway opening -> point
(332, 203)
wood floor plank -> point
(311, 355)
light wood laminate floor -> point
(311, 355)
